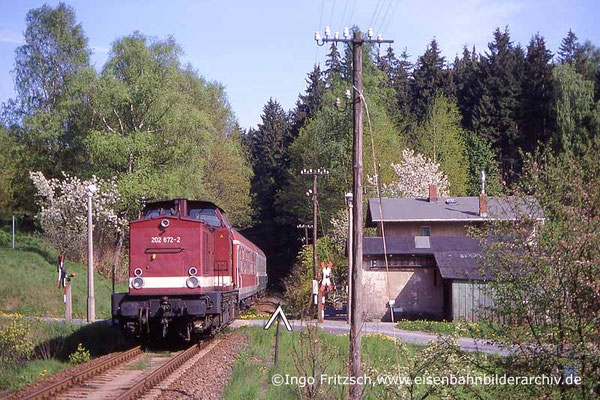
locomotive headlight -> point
(192, 271)
(164, 223)
(137, 283)
(137, 272)
(192, 282)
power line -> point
(374, 23)
(343, 14)
(374, 13)
(320, 27)
(351, 14)
(332, 10)
(391, 16)
(387, 10)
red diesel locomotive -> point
(189, 271)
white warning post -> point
(278, 314)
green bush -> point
(16, 341)
(80, 356)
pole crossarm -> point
(336, 41)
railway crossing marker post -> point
(357, 41)
(279, 315)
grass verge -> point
(28, 284)
(477, 330)
(303, 355)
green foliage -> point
(536, 98)
(481, 157)
(10, 159)
(573, 105)
(80, 356)
(430, 77)
(44, 117)
(440, 138)
(298, 284)
(164, 131)
(55, 49)
(16, 341)
(547, 273)
(326, 142)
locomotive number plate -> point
(166, 239)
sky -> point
(263, 49)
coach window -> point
(425, 231)
(207, 215)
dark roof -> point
(455, 256)
(459, 265)
(444, 209)
(406, 245)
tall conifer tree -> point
(536, 103)
(429, 77)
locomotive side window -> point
(207, 215)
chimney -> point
(433, 193)
(483, 205)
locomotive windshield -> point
(155, 212)
(207, 215)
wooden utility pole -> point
(306, 228)
(357, 41)
(357, 217)
(313, 194)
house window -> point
(425, 231)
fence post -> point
(13, 232)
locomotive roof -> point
(203, 203)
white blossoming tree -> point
(63, 210)
(415, 173)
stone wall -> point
(417, 292)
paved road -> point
(387, 328)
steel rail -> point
(150, 380)
(51, 391)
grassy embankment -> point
(253, 372)
(28, 289)
(52, 343)
(28, 284)
(477, 330)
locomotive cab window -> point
(207, 215)
(156, 212)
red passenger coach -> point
(189, 270)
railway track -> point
(112, 378)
